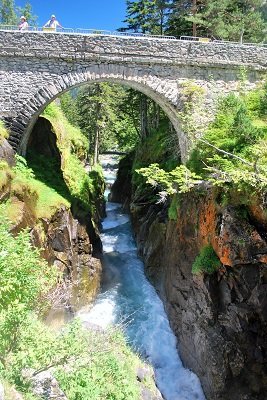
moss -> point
(206, 262)
(80, 187)
(173, 209)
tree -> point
(223, 19)
(7, 12)
(68, 106)
(179, 23)
(231, 19)
(147, 16)
(104, 115)
(28, 13)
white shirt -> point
(52, 23)
(23, 26)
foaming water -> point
(127, 297)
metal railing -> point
(81, 31)
(101, 32)
(219, 41)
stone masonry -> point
(36, 67)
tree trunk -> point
(143, 116)
(194, 11)
(96, 145)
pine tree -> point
(137, 16)
(179, 23)
(235, 20)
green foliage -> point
(206, 262)
(147, 16)
(28, 13)
(172, 210)
(24, 278)
(108, 374)
(104, 115)
(76, 184)
(179, 180)
(234, 148)
(68, 106)
(7, 12)
(45, 191)
(10, 13)
(88, 364)
(231, 19)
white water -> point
(127, 297)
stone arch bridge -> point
(36, 67)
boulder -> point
(46, 386)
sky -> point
(90, 14)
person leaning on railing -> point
(52, 23)
(23, 25)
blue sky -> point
(91, 14)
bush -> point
(206, 262)
(24, 277)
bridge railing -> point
(82, 31)
(219, 41)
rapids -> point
(128, 298)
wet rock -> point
(143, 374)
(220, 320)
(121, 189)
(7, 153)
(146, 394)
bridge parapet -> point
(71, 47)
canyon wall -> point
(219, 318)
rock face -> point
(220, 320)
(66, 243)
(121, 189)
(45, 386)
(6, 152)
(67, 238)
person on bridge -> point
(52, 23)
(23, 25)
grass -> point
(85, 188)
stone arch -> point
(163, 91)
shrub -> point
(24, 278)
(206, 262)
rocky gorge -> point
(219, 317)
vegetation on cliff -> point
(207, 261)
(87, 188)
(232, 153)
(88, 364)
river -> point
(128, 299)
